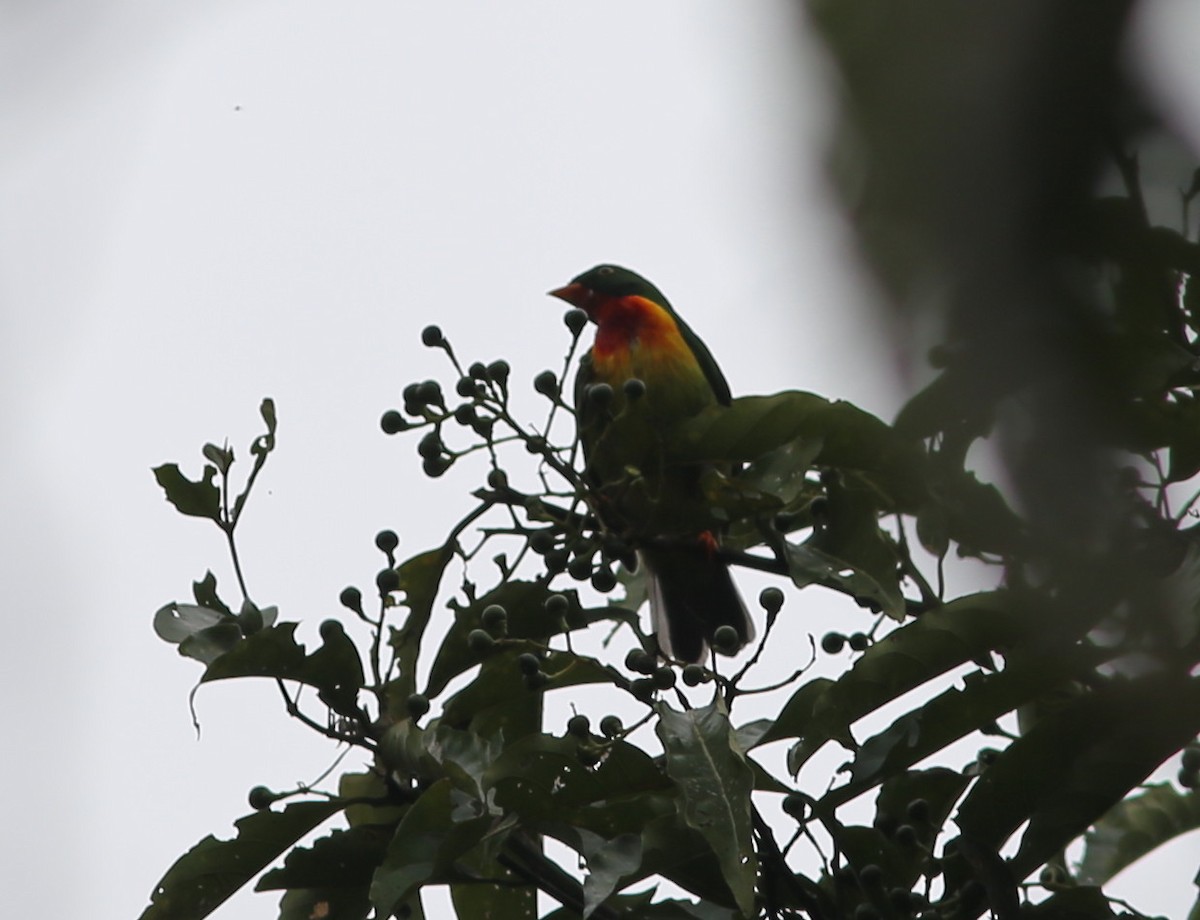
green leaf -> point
(175, 622)
(541, 778)
(439, 827)
(963, 630)
(608, 862)
(205, 593)
(681, 854)
(343, 859)
(956, 713)
(938, 787)
(849, 438)
(715, 782)
(1082, 903)
(797, 712)
(527, 619)
(1135, 827)
(262, 446)
(220, 457)
(207, 874)
(196, 498)
(207, 645)
(327, 904)
(508, 901)
(867, 846)
(419, 579)
(1077, 763)
(335, 669)
(368, 785)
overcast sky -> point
(205, 204)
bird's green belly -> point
(629, 450)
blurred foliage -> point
(1000, 201)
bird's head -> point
(603, 284)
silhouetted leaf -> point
(419, 580)
(1135, 827)
(1077, 763)
(196, 498)
(435, 831)
(343, 859)
(955, 713)
(797, 712)
(942, 639)
(334, 669)
(327, 904)
(527, 619)
(1082, 903)
(850, 439)
(207, 874)
(608, 862)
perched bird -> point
(646, 372)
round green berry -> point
(771, 600)
(417, 705)
(832, 643)
(726, 640)
(392, 422)
(580, 726)
(664, 678)
(480, 641)
(261, 798)
(351, 599)
(575, 319)
(432, 337)
(611, 726)
(795, 805)
(529, 663)
(387, 581)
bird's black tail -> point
(692, 594)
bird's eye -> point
(605, 270)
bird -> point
(645, 373)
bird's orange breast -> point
(638, 338)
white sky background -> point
(204, 205)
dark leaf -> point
(419, 579)
(334, 669)
(955, 713)
(175, 622)
(715, 782)
(344, 859)
(327, 904)
(199, 498)
(797, 712)
(205, 593)
(438, 828)
(220, 457)
(1075, 764)
(205, 876)
(849, 438)
(608, 862)
(208, 645)
(942, 639)
(1135, 827)
(527, 619)
(1082, 903)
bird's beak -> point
(574, 293)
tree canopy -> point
(1067, 319)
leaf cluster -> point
(1078, 665)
